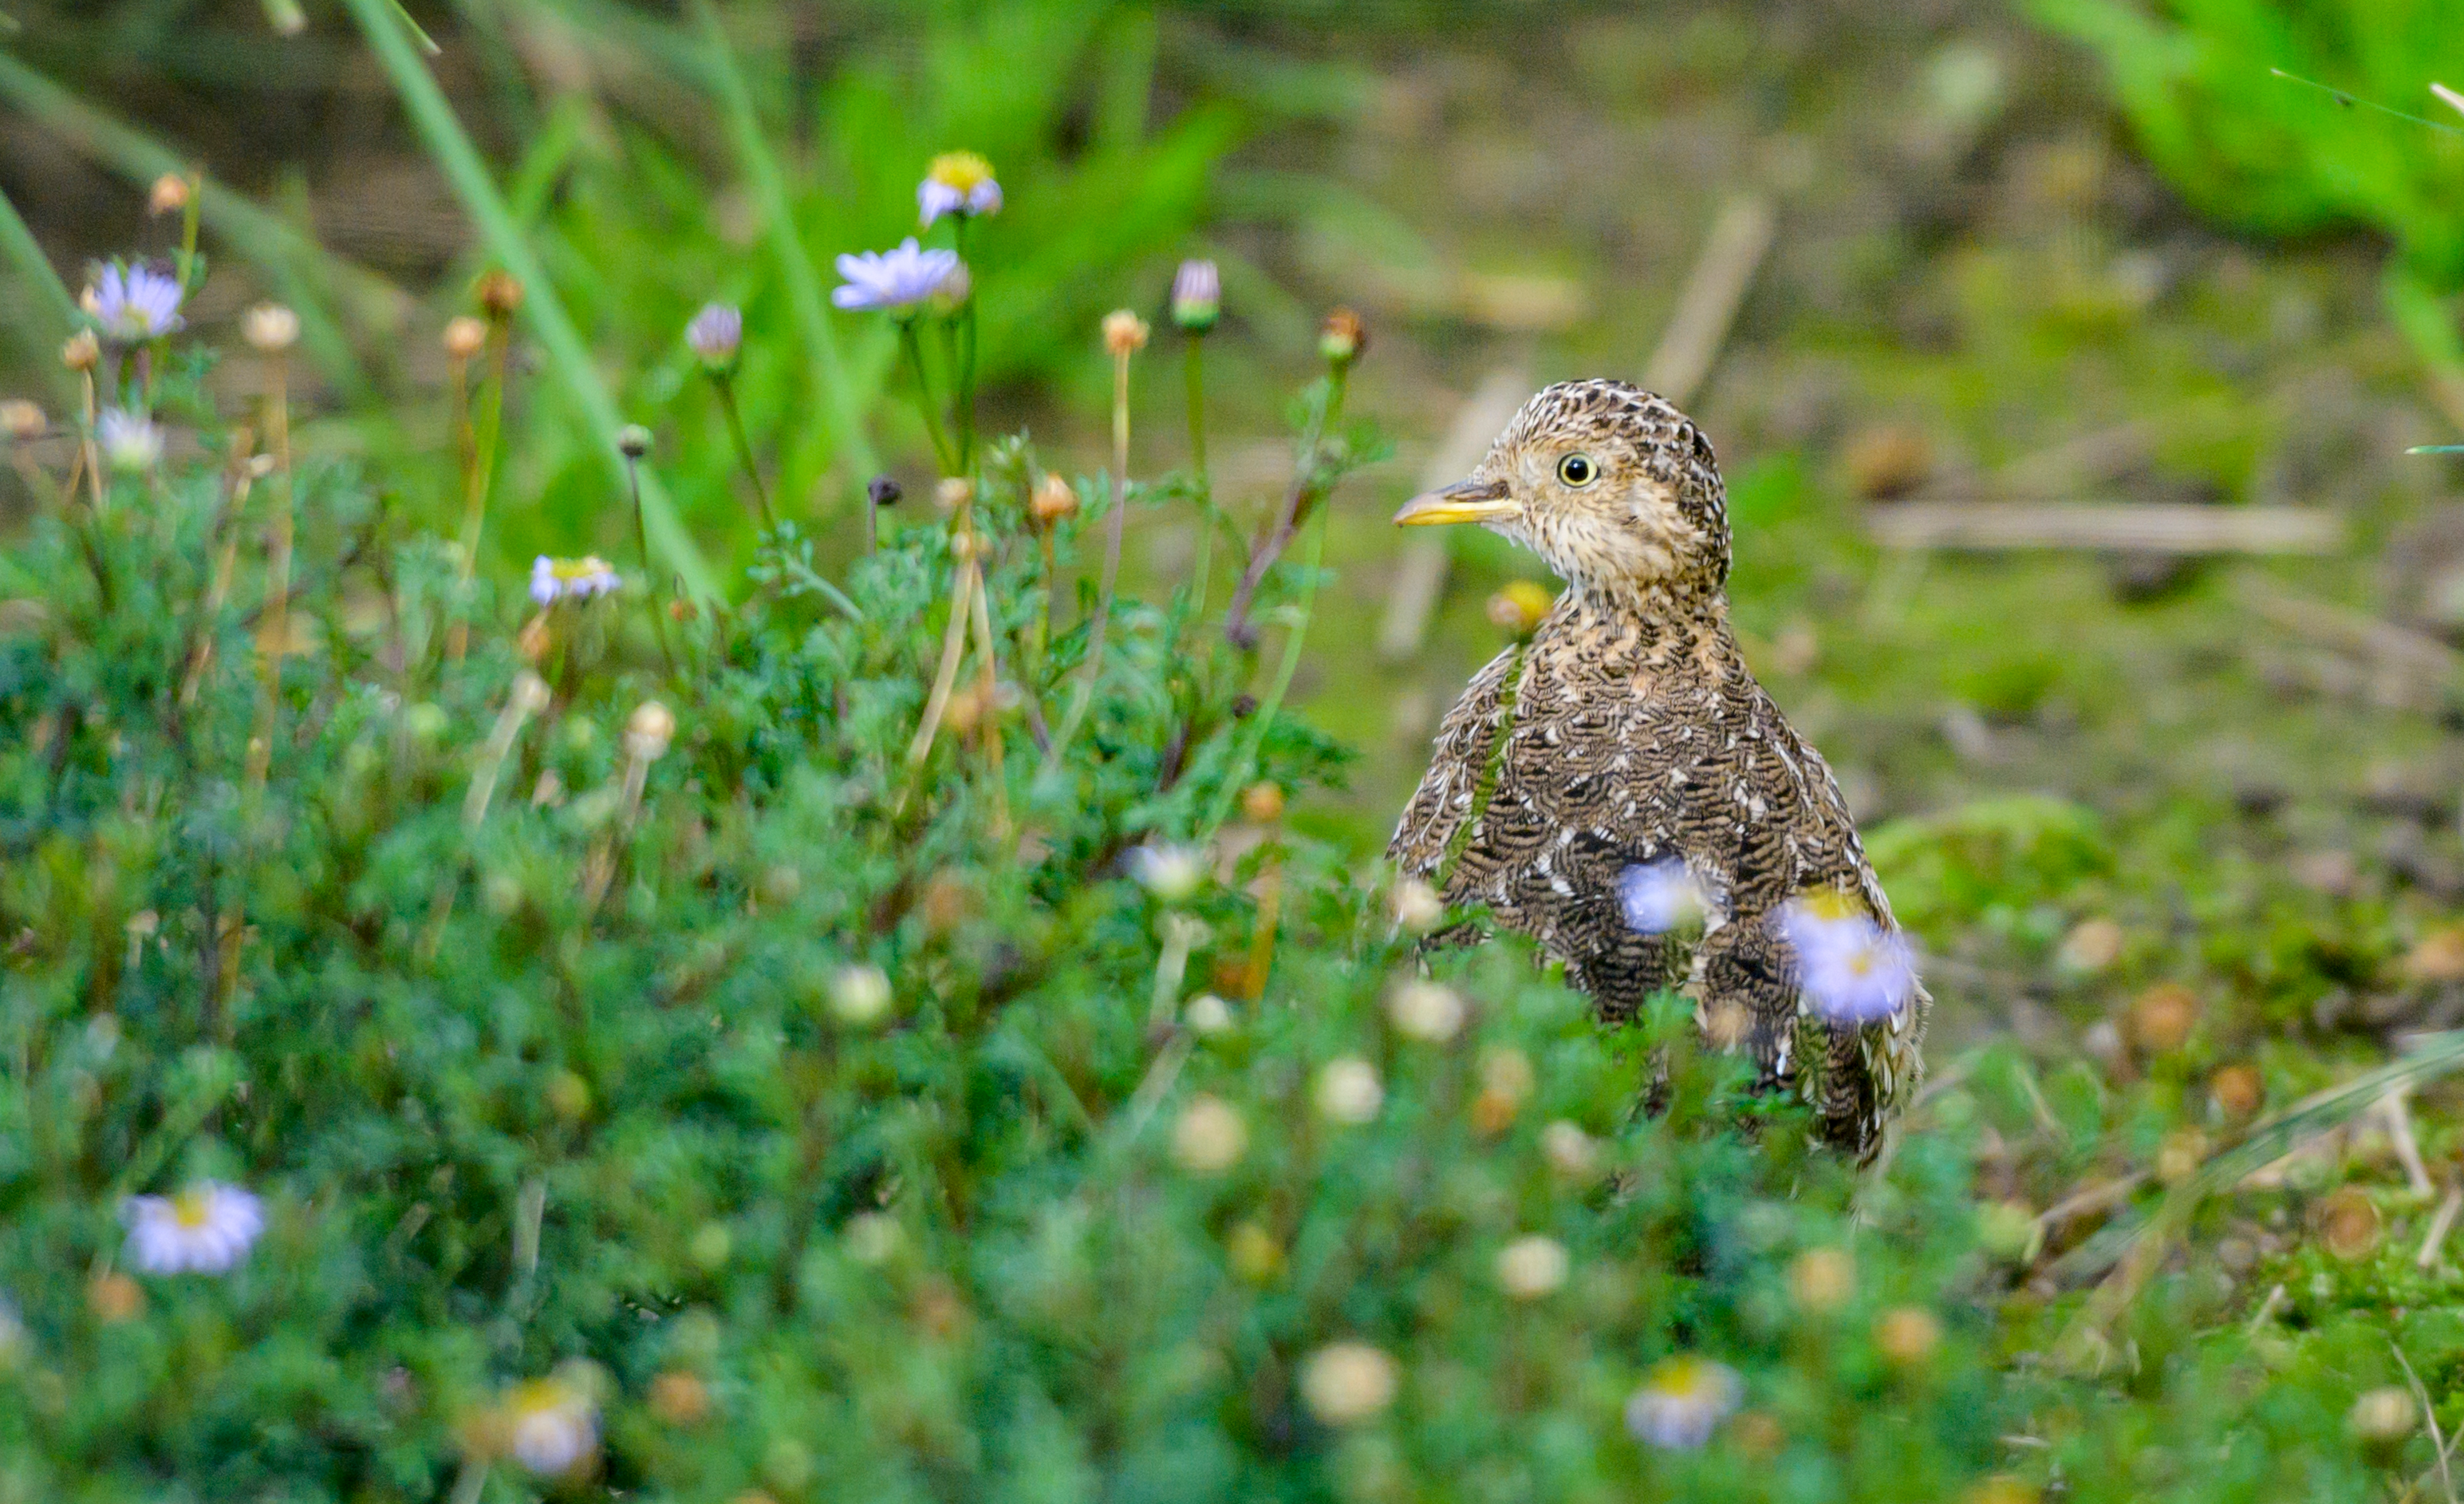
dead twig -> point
(2442, 1222)
(2119, 527)
(1714, 291)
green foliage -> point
(2267, 154)
(1947, 871)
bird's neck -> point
(1655, 621)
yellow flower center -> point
(189, 1211)
(538, 1398)
(961, 172)
(589, 567)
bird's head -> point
(1611, 485)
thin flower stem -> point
(1119, 483)
(743, 448)
(1245, 767)
(92, 451)
(988, 684)
(966, 394)
(273, 636)
(953, 643)
(187, 264)
(1195, 365)
(650, 580)
(1297, 503)
(915, 347)
(480, 475)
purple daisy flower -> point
(896, 281)
(1853, 970)
(135, 303)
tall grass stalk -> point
(26, 255)
(441, 133)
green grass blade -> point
(442, 134)
(26, 253)
(803, 286)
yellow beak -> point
(1463, 501)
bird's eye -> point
(1577, 469)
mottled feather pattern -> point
(1639, 734)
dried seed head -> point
(1906, 1335)
(1124, 333)
(2162, 1018)
(1531, 1267)
(2383, 1415)
(2091, 946)
(1054, 499)
(22, 420)
(499, 294)
(1426, 1011)
(82, 352)
(2236, 1089)
(953, 492)
(1209, 1138)
(860, 995)
(1344, 1384)
(530, 693)
(680, 1398)
(1349, 1092)
(1820, 1280)
(1569, 1150)
(270, 328)
(2348, 1225)
(1416, 906)
(169, 195)
(648, 730)
(1261, 802)
(465, 336)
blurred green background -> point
(2080, 249)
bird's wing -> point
(1457, 759)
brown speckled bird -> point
(1628, 732)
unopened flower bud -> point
(1342, 338)
(1197, 297)
(1261, 802)
(270, 328)
(2382, 1416)
(1054, 499)
(499, 294)
(717, 334)
(82, 352)
(883, 491)
(1124, 333)
(953, 492)
(168, 196)
(465, 336)
(632, 441)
